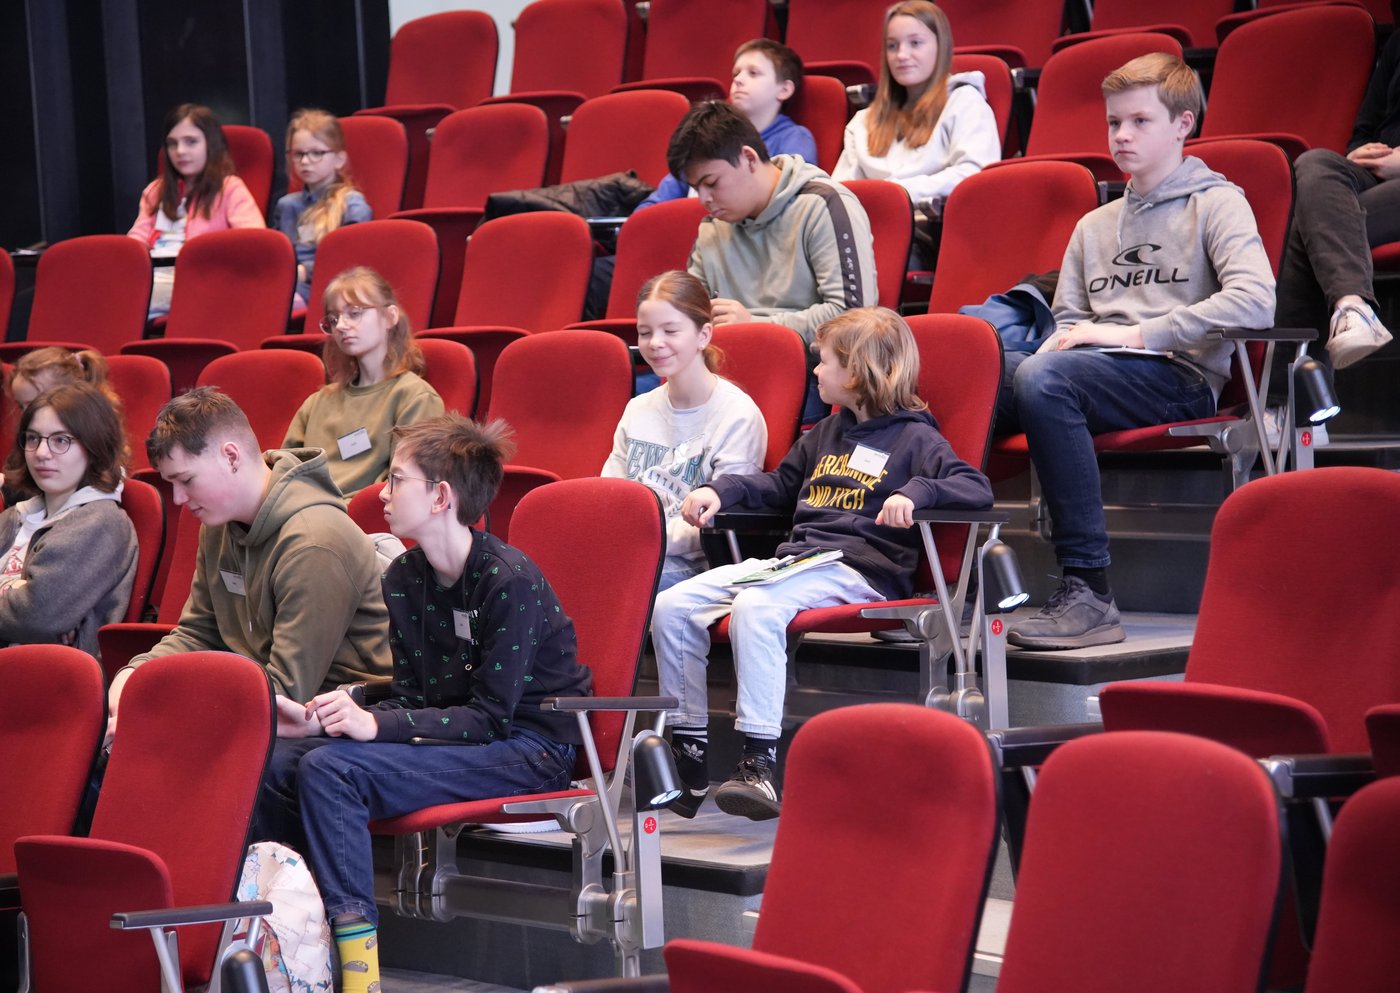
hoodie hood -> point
(975, 79)
(795, 173)
(301, 478)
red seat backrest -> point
(769, 363)
(484, 150)
(1257, 86)
(233, 285)
(820, 106)
(378, 151)
(1273, 605)
(143, 505)
(1001, 224)
(548, 55)
(621, 131)
(450, 368)
(1069, 108)
(1189, 904)
(652, 241)
(892, 226)
(526, 271)
(143, 384)
(404, 252)
(447, 58)
(269, 385)
(251, 149)
(73, 273)
(53, 711)
(563, 392)
(689, 39)
(577, 531)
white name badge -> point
(233, 582)
(353, 443)
(462, 624)
(868, 461)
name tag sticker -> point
(462, 624)
(353, 443)
(233, 582)
(868, 461)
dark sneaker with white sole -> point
(751, 791)
(1074, 617)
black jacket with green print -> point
(522, 649)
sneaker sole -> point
(1105, 635)
(1349, 352)
(743, 803)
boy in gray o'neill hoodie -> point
(1143, 280)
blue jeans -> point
(320, 794)
(1061, 400)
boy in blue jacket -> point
(852, 484)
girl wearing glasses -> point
(375, 368)
(195, 193)
(327, 199)
(68, 553)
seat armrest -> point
(210, 913)
(1263, 334)
(576, 704)
(9, 890)
(1015, 748)
(750, 521)
(938, 515)
(370, 691)
(1307, 777)
(615, 984)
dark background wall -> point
(85, 85)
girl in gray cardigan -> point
(67, 554)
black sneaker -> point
(751, 791)
(1074, 617)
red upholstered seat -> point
(1355, 950)
(888, 918)
(769, 363)
(71, 275)
(53, 711)
(892, 227)
(651, 241)
(234, 289)
(404, 252)
(251, 150)
(1152, 863)
(1257, 91)
(437, 64)
(821, 106)
(270, 386)
(449, 368)
(503, 295)
(1383, 729)
(1190, 22)
(143, 505)
(169, 830)
(1019, 31)
(838, 38)
(143, 384)
(624, 542)
(621, 131)
(690, 47)
(476, 152)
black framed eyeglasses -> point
(59, 441)
(312, 155)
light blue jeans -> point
(680, 633)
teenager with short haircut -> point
(1152, 273)
(766, 76)
(783, 242)
(283, 575)
(475, 677)
(852, 483)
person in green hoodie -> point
(284, 576)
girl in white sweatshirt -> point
(694, 426)
(926, 130)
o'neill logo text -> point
(1144, 271)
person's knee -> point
(1317, 165)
